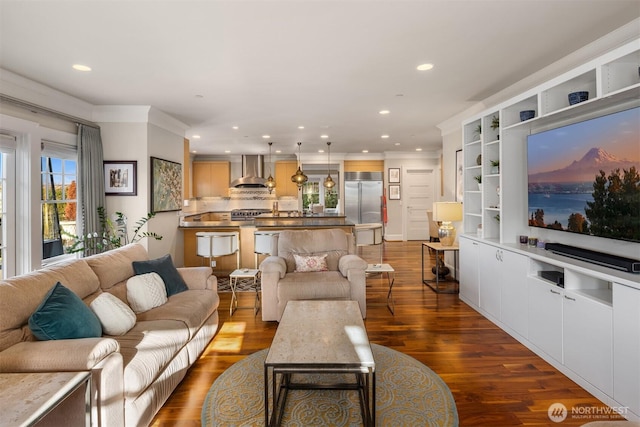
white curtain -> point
(90, 179)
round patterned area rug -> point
(407, 394)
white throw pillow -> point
(146, 291)
(115, 316)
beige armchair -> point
(343, 279)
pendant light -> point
(271, 183)
(299, 177)
(329, 183)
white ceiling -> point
(270, 66)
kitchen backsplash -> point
(241, 198)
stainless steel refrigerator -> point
(363, 197)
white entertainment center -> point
(590, 329)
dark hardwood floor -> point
(495, 380)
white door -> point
(419, 190)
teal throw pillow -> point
(62, 315)
(173, 281)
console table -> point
(45, 398)
(440, 249)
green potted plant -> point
(495, 124)
(478, 178)
(478, 131)
(495, 166)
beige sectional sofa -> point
(341, 277)
(132, 374)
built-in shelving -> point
(499, 206)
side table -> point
(440, 249)
(385, 268)
(243, 273)
(45, 398)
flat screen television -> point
(584, 177)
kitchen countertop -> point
(269, 221)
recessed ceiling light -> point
(196, 137)
(397, 143)
(324, 136)
(278, 151)
(320, 151)
(424, 67)
(194, 151)
(227, 151)
(365, 151)
(80, 67)
(384, 112)
(300, 127)
(266, 136)
(384, 136)
(418, 149)
(234, 127)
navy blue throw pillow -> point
(62, 315)
(173, 281)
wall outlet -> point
(213, 263)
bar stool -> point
(212, 244)
(262, 243)
(369, 234)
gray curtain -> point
(90, 179)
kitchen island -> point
(247, 228)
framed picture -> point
(394, 174)
(120, 178)
(166, 185)
(459, 176)
(394, 192)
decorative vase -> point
(479, 160)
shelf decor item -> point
(495, 167)
(577, 97)
(445, 213)
(479, 160)
(478, 178)
(527, 115)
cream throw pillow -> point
(309, 263)
(146, 291)
(115, 316)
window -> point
(7, 205)
(58, 195)
(313, 192)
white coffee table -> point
(391, 278)
(244, 273)
(319, 337)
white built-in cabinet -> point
(590, 329)
(626, 346)
(469, 279)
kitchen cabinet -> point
(284, 169)
(626, 346)
(469, 286)
(211, 178)
(587, 339)
(490, 262)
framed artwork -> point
(120, 178)
(166, 185)
(459, 176)
(394, 175)
(394, 192)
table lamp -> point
(445, 213)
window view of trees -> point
(614, 211)
(313, 192)
(58, 195)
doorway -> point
(420, 193)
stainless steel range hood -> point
(252, 172)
